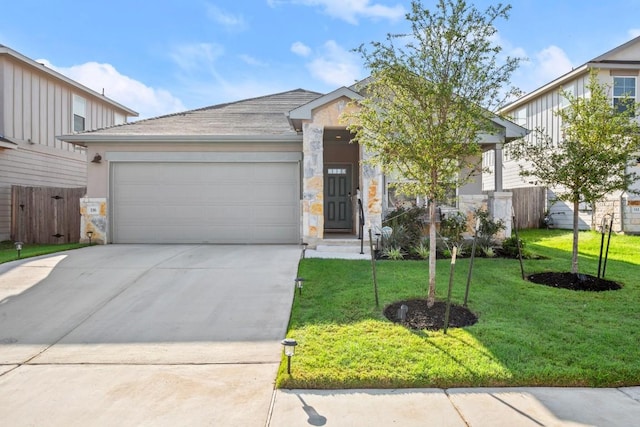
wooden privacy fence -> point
(529, 205)
(45, 214)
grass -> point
(527, 334)
(8, 251)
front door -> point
(337, 198)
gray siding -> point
(35, 108)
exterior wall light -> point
(89, 236)
(298, 281)
(289, 347)
(97, 158)
(18, 246)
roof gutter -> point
(84, 139)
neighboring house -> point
(619, 68)
(274, 169)
(36, 105)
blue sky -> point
(163, 56)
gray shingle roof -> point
(265, 115)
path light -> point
(18, 247)
(89, 235)
(289, 345)
(304, 249)
(402, 312)
(298, 281)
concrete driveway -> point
(144, 335)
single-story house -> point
(272, 169)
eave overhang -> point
(87, 139)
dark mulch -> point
(421, 317)
(574, 282)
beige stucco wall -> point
(98, 173)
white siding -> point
(35, 108)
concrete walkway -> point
(475, 407)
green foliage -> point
(422, 250)
(510, 248)
(394, 253)
(591, 159)
(526, 335)
(427, 99)
(488, 251)
(452, 227)
(9, 253)
(410, 222)
(488, 227)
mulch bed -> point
(574, 282)
(421, 317)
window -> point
(624, 94)
(570, 91)
(79, 113)
(520, 117)
(118, 119)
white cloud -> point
(250, 60)
(350, 10)
(550, 63)
(300, 49)
(196, 56)
(147, 101)
(335, 65)
(226, 19)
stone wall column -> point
(93, 218)
(372, 192)
(312, 184)
(501, 207)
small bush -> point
(452, 226)
(393, 253)
(411, 221)
(422, 250)
(510, 248)
(488, 227)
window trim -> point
(78, 111)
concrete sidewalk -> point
(464, 407)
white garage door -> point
(205, 202)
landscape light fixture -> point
(89, 236)
(18, 246)
(298, 281)
(289, 345)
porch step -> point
(342, 248)
(339, 249)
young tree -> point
(430, 97)
(592, 159)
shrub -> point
(510, 247)
(422, 250)
(412, 222)
(451, 228)
(488, 227)
(393, 253)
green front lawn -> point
(527, 334)
(8, 250)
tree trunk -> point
(431, 299)
(576, 218)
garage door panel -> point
(205, 202)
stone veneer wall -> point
(312, 183)
(93, 218)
